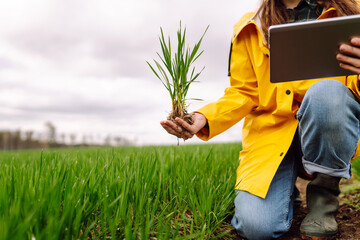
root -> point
(186, 117)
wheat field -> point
(170, 192)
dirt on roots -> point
(185, 116)
(348, 216)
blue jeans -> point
(326, 140)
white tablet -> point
(307, 50)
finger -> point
(185, 125)
(184, 133)
(350, 68)
(355, 41)
(348, 60)
(187, 135)
(174, 126)
(171, 130)
(350, 50)
(176, 130)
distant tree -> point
(1, 140)
(118, 140)
(16, 139)
(63, 138)
(51, 130)
(72, 139)
(84, 139)
(28, 138)
(28, 135)
(7, 140)
(107, 140)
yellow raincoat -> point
(269, 109)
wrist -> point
(201, 119)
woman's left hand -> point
(349, 56)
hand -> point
(183, 129)
(349, 56)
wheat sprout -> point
(175, 70)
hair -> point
(273, 12)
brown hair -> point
(273, 12)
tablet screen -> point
(307, 50)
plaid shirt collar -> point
(312, 3)
(306, 10)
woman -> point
(311, 125)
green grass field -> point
(175, 192)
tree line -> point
(17, 140)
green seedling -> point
(177, 73)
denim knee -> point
(329, 128)
(252, 221)
(325, 100)
(252, 227)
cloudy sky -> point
(81, 64)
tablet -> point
(307, 50)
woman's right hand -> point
(186, 131)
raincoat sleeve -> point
(239, 99)
(352, 82)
